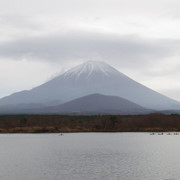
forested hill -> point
(108, 123)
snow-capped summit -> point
(90, 67)
(88, 78)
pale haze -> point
(41, 39)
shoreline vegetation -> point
(98, 123)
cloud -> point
(126, 50)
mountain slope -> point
(89, 78)
(97, 104)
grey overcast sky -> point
(42, 38)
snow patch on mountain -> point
(89, 68)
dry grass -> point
(57, 123)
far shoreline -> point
(96, 123)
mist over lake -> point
(80, 156)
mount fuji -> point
(88, 78)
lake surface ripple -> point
(89, 156)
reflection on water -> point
(89, 156)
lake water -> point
(89, 156)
